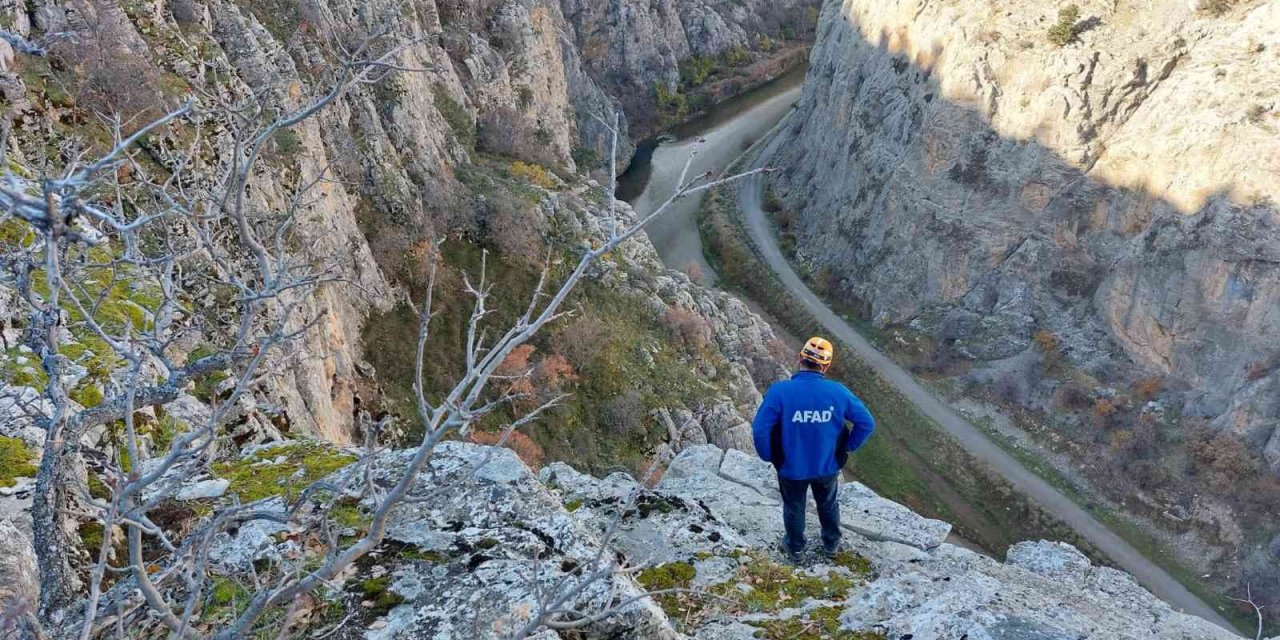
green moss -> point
(760, 585)
(853, 562)
(573, 504)
(486, 543)
(223, 591)
(97, 488)
(822, 623)
(91, 536)
(15, 461)
(776, 586)
(88, 395)
(259, 476)
(206, 386)
(378, 591)
(14, 232)
(673, 575)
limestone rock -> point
(19, 577)
(955, 171)
(212, 488)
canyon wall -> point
(492, 79)
(956, 172)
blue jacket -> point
(805, 416)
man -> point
(800, 428)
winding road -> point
(1150, 575)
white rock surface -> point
(211, 488)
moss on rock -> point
(16, 461)
(281, 471)
(822, 623)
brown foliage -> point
(581, 341)
(526, 449)
(1072, 396)
(1224, 460)
(512, 225)
(689, 327)
(554, 371)
(517, 366)
(112, 73)
(1104, 407)
(1148, 388)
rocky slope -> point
(499, 80)
(469, 561)
(482, 144)
(1086, 231)
(630, 48)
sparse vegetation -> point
(770, 587)
(1216, 8)
(1068, 28)
(15, 461)
(281, 471)
(463, 126)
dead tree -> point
(113, 219)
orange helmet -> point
(818, 351)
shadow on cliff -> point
(1042, 277)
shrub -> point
(288, 142)
(585, 157)
(1148, 388)
(517, 365)
(533, 174)
(671, 102)
(1048, 345)
(581, 341)
(696, 70)
(456, 116)
(735, 57)
(624, 414)
(1104, 407)
(1067, 28)
(524, 95)
(689, 327)
(1257, 113)
(554, 371)
(1224, 460)
(1216, 8)
(1072, 396)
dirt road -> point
(1150, 575)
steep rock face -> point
(631, 46)
(497, 77)
(955, 171)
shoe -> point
(793, 557)
(832, 552)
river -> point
(721, 136)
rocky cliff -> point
(1078, 213)
(475, 560)
(632, 48)
(493, 80)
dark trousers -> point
(825, 491)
